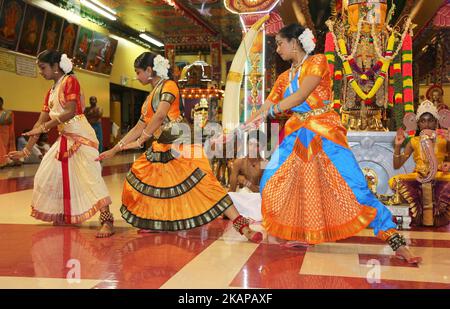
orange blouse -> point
(168, 91)
(315, 65)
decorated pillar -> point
(216, 60)
(254, 77)
(170, 55)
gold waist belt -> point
(74, 119)
(164, 133)
(314, 112)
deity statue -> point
(361, 47)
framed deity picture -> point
(31, 30)
(11, 17)
(82, 46)
(68, 36)
(52, 32)
(101, 54)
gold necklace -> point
(52, 90)
(296, 67)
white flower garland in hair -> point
(308, 40)
(161, 66)
(65, 64)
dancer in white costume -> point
(68, 186)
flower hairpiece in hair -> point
(307, 40)
(65, 64)
(161, 66)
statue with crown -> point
(372, 64)
(370, 58)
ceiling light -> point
(151, 40)
(98, 9)
(103, 6)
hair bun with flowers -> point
(65, 64)
(161, 66)
(307, 40)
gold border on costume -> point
(183, 224)
(164, 193)
(156, 156)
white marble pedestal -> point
(375, 150)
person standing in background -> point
(94, 115)
(7, 137)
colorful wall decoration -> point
(30, 30)
(11, 17)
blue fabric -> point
(277, 159)
(345, 162)
(99, 133)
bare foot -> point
(405, 254)
(252, 235)
(106, 230)
(295, 244)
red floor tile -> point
(128, 259)
(276, 268)
(271, 266)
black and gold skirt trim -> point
(177, 225)
(168, 192)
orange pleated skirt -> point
(172, 190)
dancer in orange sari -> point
(313, 190)
(168, 190)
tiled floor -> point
(38, 255)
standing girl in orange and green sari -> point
(168, 189)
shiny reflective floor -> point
(38, 255)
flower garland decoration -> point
(335, 66)
(329, 52)
(337, 86)
(65, 64)
(398, 92)
(161, 66)
(370, 73)
(408, 96)
(355, 44)
(399, 46)
(390, 97)
(381, 77)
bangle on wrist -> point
(120, 143)
(278, 107)
(26, 152)
(139, 141)
(44, 128)
(398, 155)
(146, 134)
(271, 111)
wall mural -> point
(30, 30)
